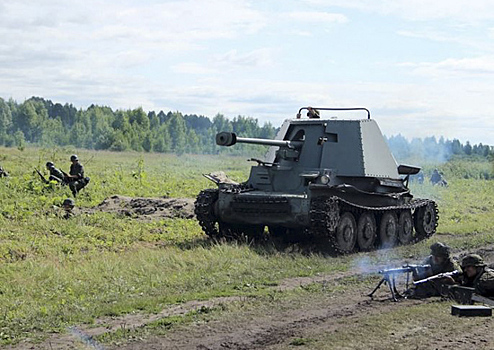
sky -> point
(423, 68)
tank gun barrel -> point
(230, 138)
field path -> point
(264, 329)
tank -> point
(333, 179)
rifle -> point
(437, 277)
(42, 176)
(389, 278)
(66, 177)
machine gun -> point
(389, 278)
(437, 277)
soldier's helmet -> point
(74, 157)
(472, 260)
(49, 164)
(69, 202)
(440, 249)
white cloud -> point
(453, 68)
(314, 17)
(237, 57)
(257, 58)
(463, 11)
(192, 68)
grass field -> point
(55, 273)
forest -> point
(43, 123)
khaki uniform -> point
(433, 288)
(483, 282)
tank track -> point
(203, 208)
(325, 213)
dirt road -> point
(289, 322)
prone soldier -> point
(440, 262)
(68, 206)
(477, 275)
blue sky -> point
(423, 68)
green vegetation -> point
(41, 122)
(56, 273)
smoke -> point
(85, 338)
(364, 265)
(425, 150)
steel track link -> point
(203, 208)
(325, 213)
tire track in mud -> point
(131, 321)
(271, 330)
(255, 334)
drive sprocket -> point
(204, 210)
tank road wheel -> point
(405, 227)
(425, 220)
(388, 229)
(366, 231)
(204, 210)
(346, 233)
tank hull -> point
(263, 208)
(293, 210)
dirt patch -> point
(147, 208)
(271, 329)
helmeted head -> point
(74, 158)
(312, 112)
(441, 250)
(68, 203)
(49, 165)
(472, 260)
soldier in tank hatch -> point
(313, 113)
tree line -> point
(43, 123)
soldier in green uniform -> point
(68, 206)
(55, 174)
(75, 177)
(477, 275)
(440, 261)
